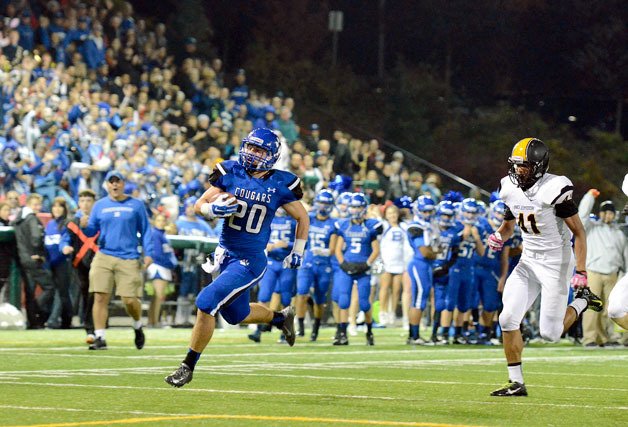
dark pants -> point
(88, 299)
(38, 309)
(63, 307)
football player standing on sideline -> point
(259, 191)
(541, 204)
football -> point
(224, 195)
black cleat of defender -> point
(511, 389)
(140, 339)
(288, 325)
(98, 344)
(369, 339)
(594, 302)
(180, 377)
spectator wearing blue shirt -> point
(27, 35)
(120, 220)
(240, 93)
(93, 48)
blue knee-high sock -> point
(414, 332)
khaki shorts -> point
(107, 271)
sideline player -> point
(315, 274)
(357, 248)
(541, 204)
(259, 190)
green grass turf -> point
(49, 378)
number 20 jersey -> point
(246, 232)
(534, 211)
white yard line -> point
(326, 396)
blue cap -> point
(114, 174)
(314, 126)
(241, 72)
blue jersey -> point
(358, 238)
(247, 231)
(491, 259)
(466, 248)
(449, 240)
(319, 237)
(282, 228)
(163, 254)
(418, 238)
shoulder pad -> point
(506, 188)
(555, 190)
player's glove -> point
(440, 271)
(495, 241)
(222, 207)
(354, 268)
(293, 260)
(579, 280)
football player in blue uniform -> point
(356, 250)
(424, 240)
(341, 212)
(491, 270)
(277, 286)
(461, 275)
(449, 241)
(315, 274)
(259, 191)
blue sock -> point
(278, 319)
(457, 331)
(414, 331)
(343, 327)
(191, 358)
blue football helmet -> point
(341, 183)
(403, 202)
(424, 207)
(469, 211)
(342, 204)
(357, 206)
(453, 196)
(445, 213)
(481, 208)
(324, 202)
(260, 150)
(494, 197)
(498, 210)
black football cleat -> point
(314, 336)
(98, 344)
(288, 325)
(341, 339)
(511, 389)
(594, 302)
(180, 377)
(256, 336)
(140, 339)
(369, 339)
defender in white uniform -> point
(541, 204)
(618, 298)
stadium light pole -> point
(335, 24)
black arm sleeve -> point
(508, 216)
(298, 191)
(214, 176)
(415, 232)
(566, 209)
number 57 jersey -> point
(539, 211)
(246, 232)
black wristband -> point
(583, 272)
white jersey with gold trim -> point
(534, 212)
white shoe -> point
(383, 318)
(352, 330)
(360, 317)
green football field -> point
(48, 378)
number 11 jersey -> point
(538, 211)
(246, 232)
